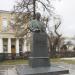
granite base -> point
(52, 70)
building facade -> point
(9, 43)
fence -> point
(65, 54)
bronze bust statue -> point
(36, 25)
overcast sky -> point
(64, 8)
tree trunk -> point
(34, 1)
(53, 51)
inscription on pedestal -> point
(39, 53)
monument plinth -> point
(39, 63)
(39, 50)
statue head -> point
(38, 15)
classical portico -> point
(12, 45)
(1, 45)
(9, 41)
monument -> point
(39, 48)
(39, 63)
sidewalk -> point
(11, 70)
(8, 70)
(70, 67)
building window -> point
(4, 24)
(5, 48)
(5, 45)
(12, 24)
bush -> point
(26, 54)
(2, 56)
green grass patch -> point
(55, 60)
(69, 61)
(58, 60)
(22, 61)
(13, 62)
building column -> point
(17, 47)
(9, 48)
(1, 45)
(9, 45)
(24, 46)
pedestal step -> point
(39, 61)
(52, 70)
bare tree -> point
(23, 11)
(55, 37)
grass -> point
(69, 61)
(58, 60)
(22, 61)
(13, 62)
(55, 60)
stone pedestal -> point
(52, 70)
(39, 63)
(39, 50)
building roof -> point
(2, 11)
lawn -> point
(13, 62)
(69, 61)
(55, 60)
(20, 61)
(23, 61)
(58, 60)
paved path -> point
(70, 67)
(11, 70)
(7, 70)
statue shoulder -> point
(33, 21)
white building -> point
(9, 43)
